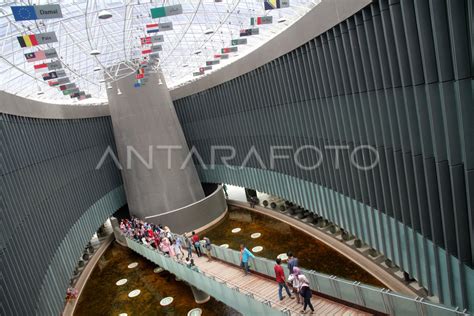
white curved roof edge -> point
(319, 19)
(15, 105)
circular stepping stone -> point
(158, 270)
(166, 301)
(123, 314)
(225, 246)
(195, 312)
(133, 265)
(236, 230)
(283, 256)
(121, 282)
(134, 293)
(255, 235)
(257, 249)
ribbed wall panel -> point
(50, 187)
(396, 76)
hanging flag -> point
(167, 26)
(261, 20)
(140, 71)
(212, 62)
(166, 11)
(41, 67)
(198, 73)
(276, 4)
(139, 76)
(136, 85)
(41, 54)
(229, 50)
(68, 86)
(36, 12)
(248, 32)
(238, 41)
(63, 80)
(221, 56)
(53, 75)
(69, 91)
(53, 83)
(152, 28)
(154, 56)
(37, 39)
(152, 39)
(85, 96)
(146, 51)
(202, 69)
(35, 56)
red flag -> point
(146, 51)
(41, 66)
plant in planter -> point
(282, 208)
(265, 203)
(273, 205)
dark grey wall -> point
(397, 76)
(53, 200)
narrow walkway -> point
(265, 289)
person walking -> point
(207, 248)
(304, 290)
(280, 278)
(178, 250)
(245, 254)
(197, 244)
(189, 245)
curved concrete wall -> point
(397, 76)
(53, 199)
(14, 105)
(195, 215)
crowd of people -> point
(162, 239)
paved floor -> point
(266, 289)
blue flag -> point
(24, 13)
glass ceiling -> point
(199, 33)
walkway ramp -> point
(266, 290)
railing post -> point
(335, 286)
(359, 294)
(386, 303)
(420, 306)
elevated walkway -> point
(256, 294)
(251, 295)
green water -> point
(102, 297)
(278, 237)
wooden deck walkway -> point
(266, 289)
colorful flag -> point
(198, 73)
(68, 86)
(136, 85)
(36, 12)
(146, 51)
(212, 62)
(53, 83)
(152, 28)
(276, 4)
(53, 75)
(238, 41)
(248, 32)
(261, 20)
(202, 69)
(166, 11)
(41, 67)
(229, 50)
(152, 39)
(63, 80)
(37, 39)
(41, 54)
(140, 76)
(221, 56)
(35, 56)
